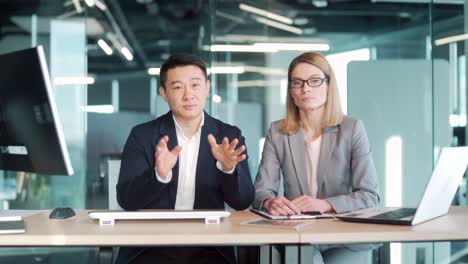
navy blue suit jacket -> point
(138, 188)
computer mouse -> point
(62, 213)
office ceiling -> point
(156, 28)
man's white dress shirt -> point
(188, 158)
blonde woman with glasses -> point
(324, 156)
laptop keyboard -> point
(397, 214)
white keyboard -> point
(109, 217)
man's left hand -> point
(226, 152)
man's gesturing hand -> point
(226, 153)
(164, 159)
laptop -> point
(436, 199)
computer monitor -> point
(31, 137)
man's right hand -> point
(164, 159)
(280, 206)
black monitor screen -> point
(31, 137)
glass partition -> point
(400, 65)
(64, 42)
(391, 75)
(26, 24)
(450, 101)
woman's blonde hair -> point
(332, 115)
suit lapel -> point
(204, 159)
(168, 128)
(329, 135)
(298, 153)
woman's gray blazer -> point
(346, 175)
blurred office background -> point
(400, 64)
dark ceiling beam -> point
(127, 31)
(422, 28)
(371, 9)
(366, 13)
(112, 74)
(404, 34)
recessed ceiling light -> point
(143, 2)
(320, 3)
(310, 31)
(300, 21)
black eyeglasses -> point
(312, 82)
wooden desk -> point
(83, 231)
(450, 227)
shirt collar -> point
(179, 128)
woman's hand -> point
(280, 206)
(306, 204)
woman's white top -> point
(313, 154)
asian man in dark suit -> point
(175, 162)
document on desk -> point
(307, 215)
(12, 225)
(288, 223)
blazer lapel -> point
(298, 154)
(204, 159)
(329, 135)
(167, 127)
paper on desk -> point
(10, 218)
(23, 213)
(288, 223)
(11, 225)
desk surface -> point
(83, 231)
(452, 226)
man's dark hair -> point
(178, 60)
